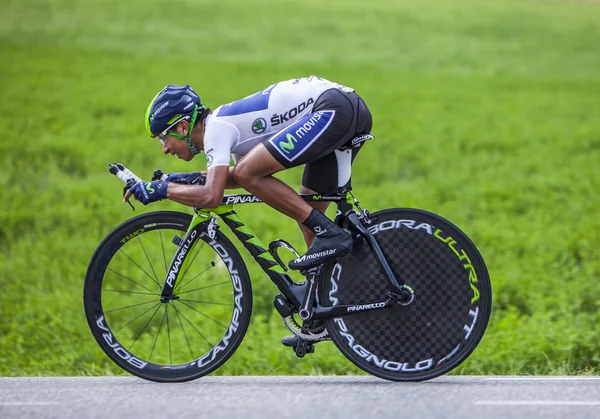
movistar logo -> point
(289, 145)
(295, 139)
(316, 255)
(149, 188)
(161, 107)
(317, 197)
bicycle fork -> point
(178, 265)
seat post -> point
(344, 158)
(344, 165)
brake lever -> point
(126, 189)
(126, 175)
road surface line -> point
(536, 403)
(527, 378)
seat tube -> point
(344, 165)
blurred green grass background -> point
(487, 113)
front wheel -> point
(452, 302)
(192, 333)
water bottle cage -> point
(279, 243)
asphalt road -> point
(301, 397)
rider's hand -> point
(147, 192)
(191, 178)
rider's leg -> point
(309, 236)
(253, 172)
(337, 116)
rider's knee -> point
(243, 174)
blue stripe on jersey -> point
(293, 140)
(256, 102)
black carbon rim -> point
(176, 341)
(448, 317)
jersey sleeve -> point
(219, 138)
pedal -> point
(280, 243)
(303, 347)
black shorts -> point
(337, 117)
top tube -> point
(253, 199)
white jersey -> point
(234, 128)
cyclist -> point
(295, 122)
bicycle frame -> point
(299, 295)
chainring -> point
(314, 335)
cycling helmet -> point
(171, 105)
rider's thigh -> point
(321, 175)
(258, 162)
(333, 121)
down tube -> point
(260, 253)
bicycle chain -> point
(317, 334)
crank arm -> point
(306, 309)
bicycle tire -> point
(204, 326)
(448, 316)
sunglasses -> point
(162, 136)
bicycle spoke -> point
(162, 245)
(208, 286)
(133, 305)
(193, 327)
(131, 292)
(169, 334)
(157, 335)
(145, 326)
(142, 269)
(204, 271)
(120, 328)
(205, 315)
(209, 302)
(148, 258)
(183, 330)
(129, 279)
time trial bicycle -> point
(168, 297)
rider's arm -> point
(191, 178)
(209, 195)
(219, 139)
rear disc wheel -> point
(452, 302)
